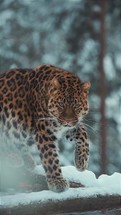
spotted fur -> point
(45, 104)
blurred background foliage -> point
(67, 34)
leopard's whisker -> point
(91, 121)
(90, 128)
(94, 131)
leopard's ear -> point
(55, 83)
(86, 85)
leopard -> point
(45, 104)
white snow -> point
(109, 68)
(104, 185)
(4, 16)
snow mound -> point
(110, 180)
(86, 177)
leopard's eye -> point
(60, 103)
(78, 108)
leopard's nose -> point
(69, 114)
(68, 117)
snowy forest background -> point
(67, 34)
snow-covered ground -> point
(104, 185)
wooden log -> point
(52, 207)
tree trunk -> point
(102, 89)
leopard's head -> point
(68, 99)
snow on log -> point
(56, 206)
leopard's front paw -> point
(58, 185)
